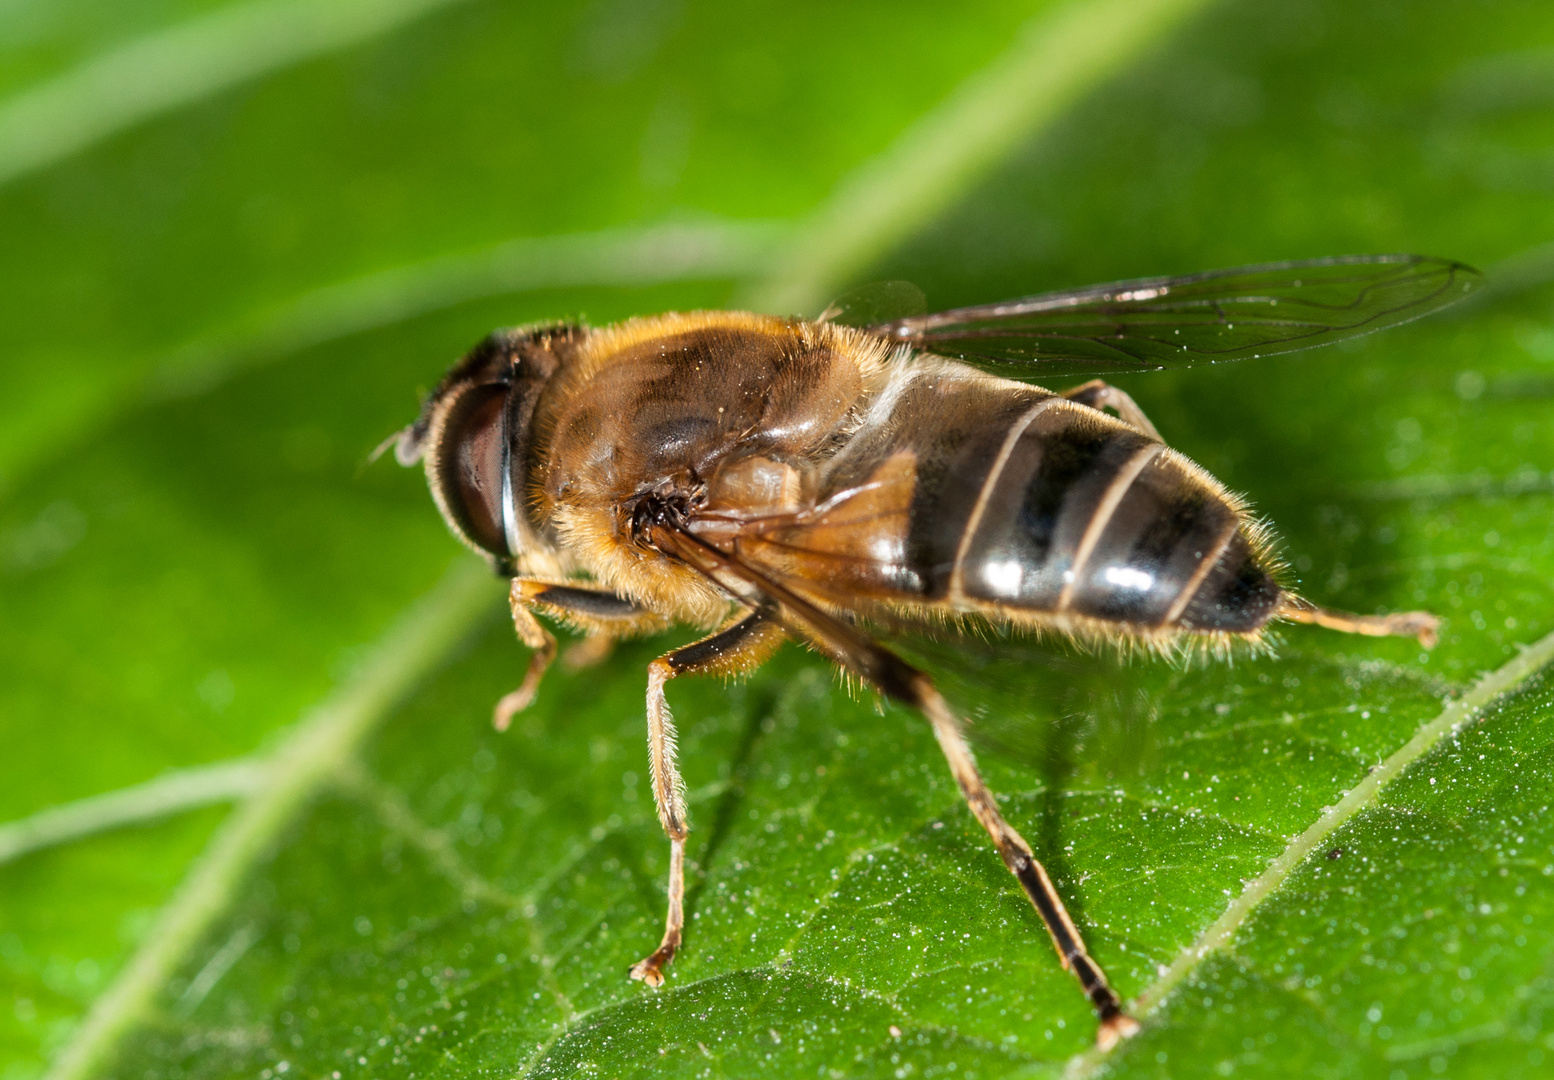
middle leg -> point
(897, 679)
(740, 646)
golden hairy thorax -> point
(680, 401)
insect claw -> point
(1114, 1029)
(1420, 625)
(1423, 625)
(511, 705)
(651, 969)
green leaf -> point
(1332, 861)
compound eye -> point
(471, 466)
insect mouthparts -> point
(670, 509)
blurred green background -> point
(240, 238)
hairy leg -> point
(1414, 624)
(592, 651)
(739, 646)
(852, 648)
(603, 613)
(1100, 395)
(915, 688)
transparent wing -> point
(1165, 322)
(877, 303)
(1024, 696)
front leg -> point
(536, 637)
(595, 610)
(740, 646)
(592, 651)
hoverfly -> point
(768, 478)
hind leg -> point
(1101, 395)
(1415, 624)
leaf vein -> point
(1218, 935)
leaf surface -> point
(185, 577)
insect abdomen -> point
(1068, 511)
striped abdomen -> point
(1032, 502)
